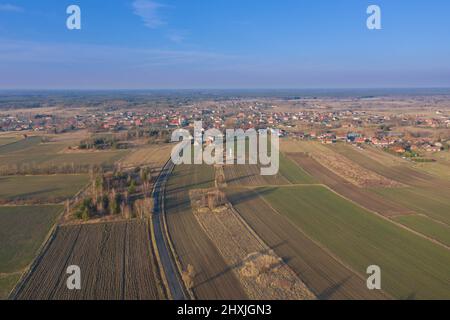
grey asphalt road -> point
(173, 277)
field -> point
(214, 279)
(6, 140)
(22, 230)
(423, 193)
(32, 153)
(389, 166)
(116, 262)
(263, 275)
(40, 189)
(250, 175)
(434, 203)
(7, 283)
(152, 155)
(294, 173)
(347, 169)
(324, 275)
(360, 239)
(362, 196)
(20, 145)
(427, 226)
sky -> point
(230, 44)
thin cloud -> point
(177, 36)
(149, 13)
(20, 52)
(10, 7)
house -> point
(399, 149)
(360, 140)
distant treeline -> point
(120, 140)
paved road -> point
(175, 283)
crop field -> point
(40, 189)
(324, 275)
(32, 153)
(360, 238)
(7, 140)
(427, 226)
(403, 172)
(250, 175)
(362, 196)
(438, 169)
(20, 145)
(22, 230)
(116, 262)
(214, 278)
(293, 172)
(263, 275)
(431, 202)
(7, 283)
(153, 155)
(426, 194)
(344, 167)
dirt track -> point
(325, 276)
(116, 262)
(214, 279)
(361, 196)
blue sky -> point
(144, 44)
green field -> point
(426, 226)
(412, 267)
(20, 145)
(433, 203)
(42, 155)
(40, 189)
(293, 172)
(7, 283)
(22, 231)
(7, 140)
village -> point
(406, 133)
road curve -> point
(176, 286)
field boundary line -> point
(433, 219)
(391, 220)
(264, 244)
(320, 245)
(32, 266)
(43, 248)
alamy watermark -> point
(210, 147)
(74, 280)
(73, 22)
(374, 20)
(374, 280)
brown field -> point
(382, 163)
(338, 184)
(116, 261)
(263, 275)
(214, 278)
(325, 276)
(250, 175)
(151, 155)
(342, 166)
